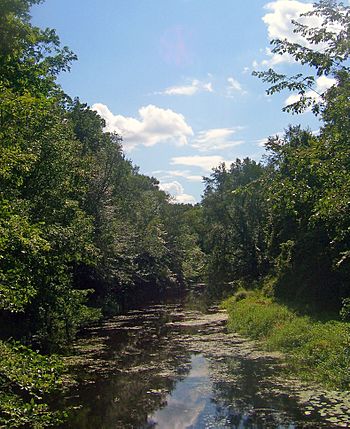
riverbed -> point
(175, 366)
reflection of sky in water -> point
(192, 405)
(189, 400)
(227, 393)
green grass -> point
(314, 350)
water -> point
(168, 366)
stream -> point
(175, 366)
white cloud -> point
(234, 87)
(186, 174)
(279, 26)
(176, 190)
(206, 163)
(274, 59)
(191, 89)
(322, 84)
(282, 12)
(216, 139)
(155, 125)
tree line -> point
(82, 231)
(284, 223)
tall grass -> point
(314, 350)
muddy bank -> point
(147, 368)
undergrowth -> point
(314, 350)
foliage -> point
(233, 206)
(345, 310)
(30, 58)
(288, 219)
(315, 350)
(81, 230)
(26, 377)
(325, 51)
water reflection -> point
(198, 403)
(170, 367)
(188, 401)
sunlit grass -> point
(315, 350)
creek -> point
(175, 366)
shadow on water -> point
(166, 367)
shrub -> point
(26, 377)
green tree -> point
(234, 212)
(310, 182)
(30, 58)
(325, 51)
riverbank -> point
(314, 350)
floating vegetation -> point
(129, 369)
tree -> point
(310, 182)
(78, 223)
(43, 230)
(30, 58)
(234, 210)
(326, 52)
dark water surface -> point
(172, 367)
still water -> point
(170, 366)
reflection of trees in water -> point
(150, 361)
(141, 350)
(244, 402)
(128, 409)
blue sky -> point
(173, 77)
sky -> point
(174, 78)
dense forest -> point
(82, 232)
(287, 220)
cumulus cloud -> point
(206, 163)
(216, 139)
(234, 87)
(323, 83)
(279, 26)
(282, 12)
(177, 192)
(193, 88)
(154, 125)
(274, 59)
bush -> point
(26, 377)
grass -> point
(314, 350)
